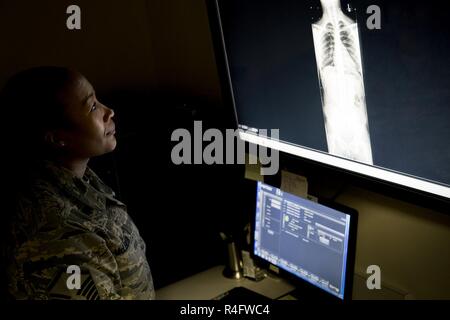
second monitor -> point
(310, 243)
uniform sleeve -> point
(78, 266)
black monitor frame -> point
(304, 289)
(388, 188)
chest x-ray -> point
(338, 56)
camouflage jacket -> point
(64, 221)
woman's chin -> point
(113, 145)
(110, 145)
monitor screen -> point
(359, 85)
(308, 240)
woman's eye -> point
(94, 107)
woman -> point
(67, 220)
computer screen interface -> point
(308, 240)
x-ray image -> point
(373, 99)
(338, 56)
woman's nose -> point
(109, 113)
(112, 112)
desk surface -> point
(211, 283)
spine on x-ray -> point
(339, 66)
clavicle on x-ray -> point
(338, 56)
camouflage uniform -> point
(63, 220)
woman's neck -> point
(77, 166)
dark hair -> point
(31, 105)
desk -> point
(211, 283)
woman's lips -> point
(111, 131)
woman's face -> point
(90, 130)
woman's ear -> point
(53, 139)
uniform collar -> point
(93, 194)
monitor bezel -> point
(307, 290)
(390, 188)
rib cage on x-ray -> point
(338, 57)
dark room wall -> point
(113, 47)
(183, 53)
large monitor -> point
(362, 86)
(306, 241)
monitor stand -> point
(309, 294)
(241, 294)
